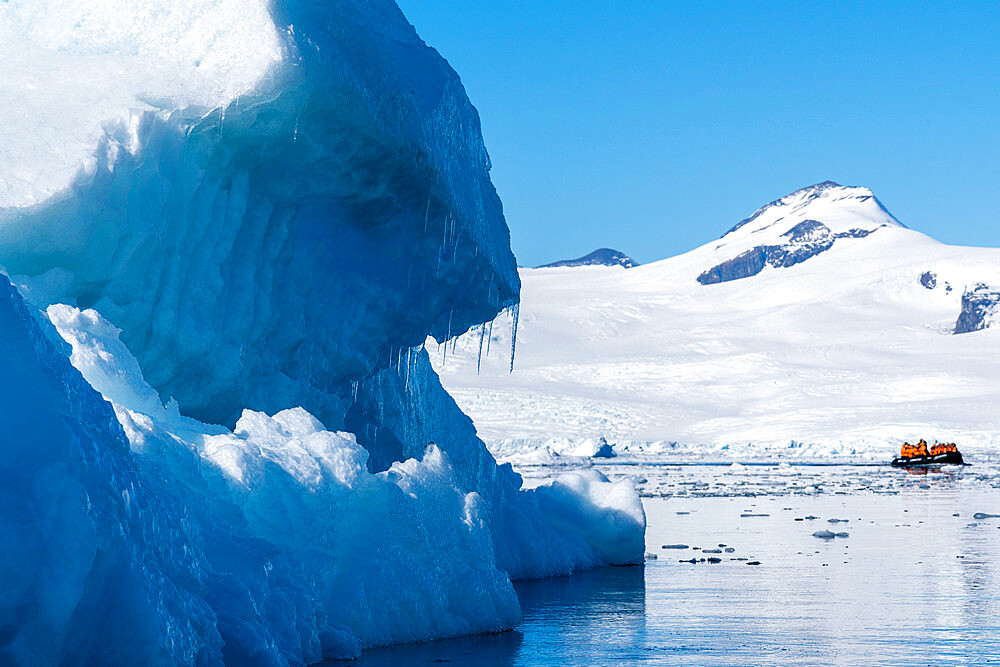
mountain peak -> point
(824, 199)
(795, 228)
(600, 257)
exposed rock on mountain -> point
(980, 306)
(600, 257)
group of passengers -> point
(920, 449)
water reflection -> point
(497, 649)
(565, 618)
(915, 583)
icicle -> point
(354, 390)
(490, 338)
(406, 380)
(479, 359)
(513, 335)
(427, 212)
(222, 119)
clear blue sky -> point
(654, 126)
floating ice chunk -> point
(598, 449)
(607, 515)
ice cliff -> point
(245, 217)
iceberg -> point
(229, 226)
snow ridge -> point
(599, 257)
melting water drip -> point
(298, 117)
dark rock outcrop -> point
(600, 257)
(805, 240)
(979, 306)
(928, 279)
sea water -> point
(915, 581)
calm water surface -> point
(912, 584)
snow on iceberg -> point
(245, 218)
(608, 515)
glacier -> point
(835, 343)
(229, 227)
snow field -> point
(846, 354)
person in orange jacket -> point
(922, 448)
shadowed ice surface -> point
(915, 582)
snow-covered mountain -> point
(600, 257)
(819, 325)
